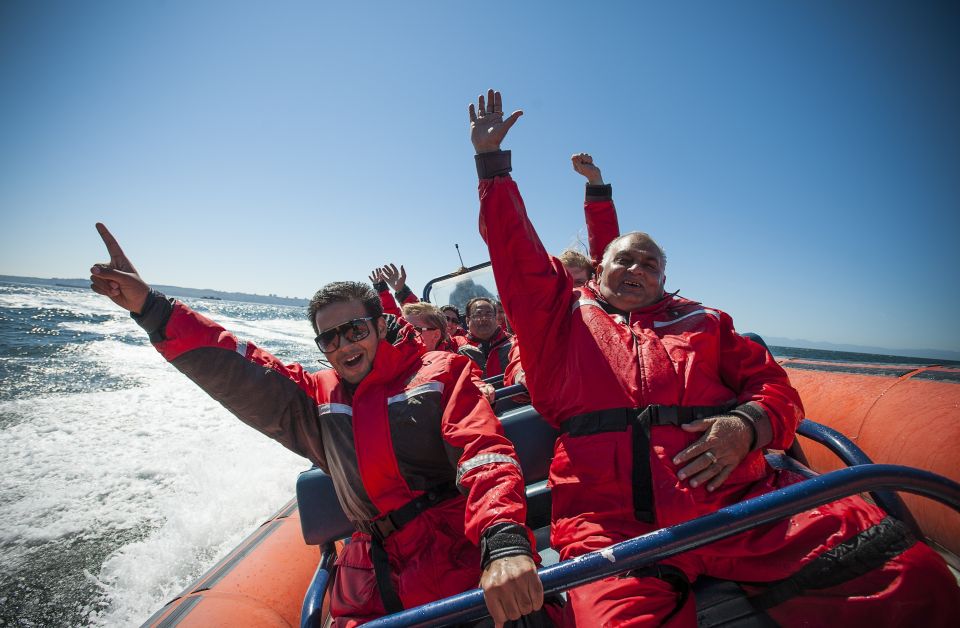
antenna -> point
(462, 265)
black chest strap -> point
(641, 419)
(379, 529)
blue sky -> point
(799, 162)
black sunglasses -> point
(354, 331)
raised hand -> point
(118, 280)
(583, 164)
(487, 126)
(376, 276)
(396, 278)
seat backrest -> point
(323, 520)
(533, 440)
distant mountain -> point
(174, 291)
(936, 354)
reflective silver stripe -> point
(713, 313)
(582, 302)
(242, 347)
(334, 408)
(422, 389)
(481, 460)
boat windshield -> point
(458, 289)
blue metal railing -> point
(852, 456)
(664, 543)
(311, 613)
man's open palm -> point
(487, 126)
(118, 279)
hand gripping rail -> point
(664, 543)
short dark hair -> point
(341, 292)
(450, 308)
(470, 303)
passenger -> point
(488, 345)
(664, 411)
(578, 265)
(418, 459)
(452, 314)
(430, 325)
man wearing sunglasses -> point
(418, 459)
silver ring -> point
(711, 456)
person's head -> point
(452, 317)
(429, 322)
(632, 272)
(578, 265)
(482, 317)
(348, 319)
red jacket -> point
(674, 352)
(388, 463)
(492, 355)
(602, 228)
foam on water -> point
(113, 500)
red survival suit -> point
(415, 424)
(677, 354)
(491, 355)
(600, 215)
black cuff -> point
(156, 312)
(403, 293)
(603, 192)
(503, 540)
(380, 286)
(757, 419)
(495, 164)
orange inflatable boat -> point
(906, 415)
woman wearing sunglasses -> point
(418, 459)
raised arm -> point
(598, 209)
(386, 299)
(242, 377)
(535, 290)
(398, 281)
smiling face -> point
(352, 360)
(482, 319)
(632, 273)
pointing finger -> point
(112, 246)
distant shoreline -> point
(179, 291)
(793, 346)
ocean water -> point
(120, 481)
